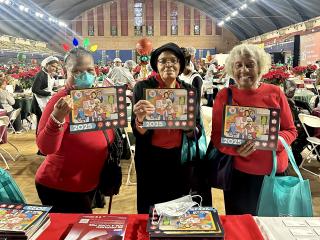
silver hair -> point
(263, 59)
(72, 57)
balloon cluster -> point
(75, 42)
(144, 48)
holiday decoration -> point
(144, 46)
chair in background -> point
(4, 122)
(313, 122)
(13, 116)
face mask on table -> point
(84, 80)
(175, 208)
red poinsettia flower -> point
(299, 70)
(275, 77)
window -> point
(149, 17)
(208, 25)
(138, 18)
(187, 20)
(124, 17)
(149, 30)
(163, 17)
(196, 22)
(218, 30)
(90, 23)
(100, 18)
(174, 18)
(113, 19)
(79, 26)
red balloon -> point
(144, 46)
(66, 47)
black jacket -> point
(40, 83)
(144, 141)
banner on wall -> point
(309, 48)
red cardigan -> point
(73, 161)
(259, 162)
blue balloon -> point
(75, 42)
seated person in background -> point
(7, 101)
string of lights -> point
(236, 12)
(37, 14)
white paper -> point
(313, 222)
(295, 223)
(302, 232)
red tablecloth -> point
(240, 227)
(3, 128)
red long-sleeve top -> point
(266, 96)
(74, 161)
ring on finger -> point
(141, 110)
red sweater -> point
(74, 161)
(267, 96)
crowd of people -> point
(69, 175)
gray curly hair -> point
(71, 58)
(250, 50)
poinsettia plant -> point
(277, 67)
(26, 77)
(311, 68)
(299, 70)
(276, 77)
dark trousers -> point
(159, 177)
(65, 202)
(17, 123)
(38, 113)
(243, 196)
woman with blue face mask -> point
(69, 175)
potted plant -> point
(300, 71)
(276, 77)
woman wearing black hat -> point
(160, 176)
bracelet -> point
(60, 124)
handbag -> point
(9, 190)
(219, 165)
(285, 195)
(111, 174)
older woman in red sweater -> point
(69, 175)
(246, 64)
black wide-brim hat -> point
(172, 47)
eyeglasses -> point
(166, 61)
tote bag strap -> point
(291, 159)
(229, 96)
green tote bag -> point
(9, 190)
(282, 196)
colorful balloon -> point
(86, 42)
(144, 46)
(94, 48)
(75, 42)
(66, 47)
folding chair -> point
(4, 122)
(314, 122)
(13, 116)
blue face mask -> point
(84, 80)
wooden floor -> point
(25, 167)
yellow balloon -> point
(94, 48)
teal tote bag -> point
(282, 196)
(9, 190)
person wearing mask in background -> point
(69, 175)
(42, 87)
(120, 76)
